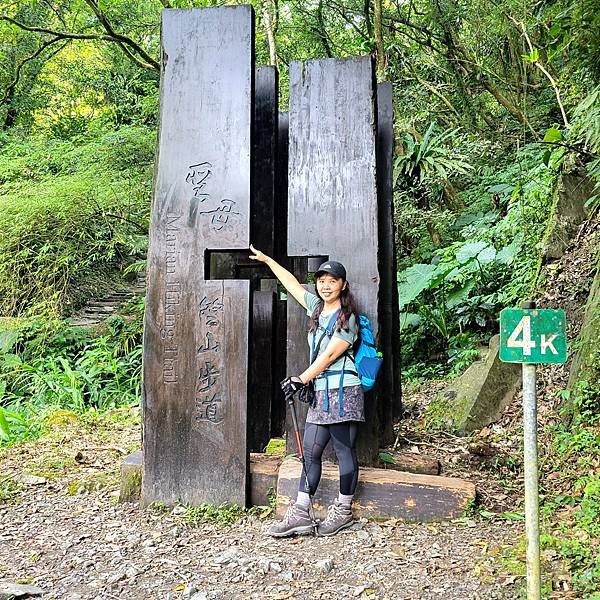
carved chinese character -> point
(210, 344)
(211, 310)
(207, 377)
(198, 175)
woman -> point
(339, 404)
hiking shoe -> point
(296, 521)
(339, 516)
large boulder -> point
(572, 192)
(478, 397)
(585, 367)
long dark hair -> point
(348, 308)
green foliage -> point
(585, 132)
(429, 158)
(71, 213)
(275, 447)
(224, 514)
(492, 262)
(51, 365)
(573, 514)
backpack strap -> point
(328, 331)
(329, 372)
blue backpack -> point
(366, 359)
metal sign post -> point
(531, 336)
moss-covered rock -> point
(478, 397)
(584, 375)
(573, 190)
(131, 478)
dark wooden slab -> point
(264, 156)
(196, 331)
(281, 190)
(278, 407)
(390, 405)
(261, 371)
(383, 493)
(297, 353)
(332, 184)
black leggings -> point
(316, 437)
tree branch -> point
(11, 88)
(67, 35)
(351, 23)
(378, 28)
(121, 39)
(535, 61)
(436, 93)
(321, 32)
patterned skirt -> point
(353, 406)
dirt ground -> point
(63, 531)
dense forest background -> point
(493, 101)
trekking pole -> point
(290, 401)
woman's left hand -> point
(258, 255)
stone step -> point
(98, 310)
(382, 493)
(101, 309)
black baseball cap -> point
(332, 267)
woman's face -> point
(330, 287)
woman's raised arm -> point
(289, 282)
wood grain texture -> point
(383, 493)
(332, 183)
(263, 478)
(332, 187)
(413, 463)
(196, 331)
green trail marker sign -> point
(532, 335)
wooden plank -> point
(263, 477)
(390, 405)
(278, 407)
(297, 354)
(383, 493)
(264, 153)
(332, 183)
(194, 429)
(412, 463)
(261, 371)
(281, 191)
(278, 410)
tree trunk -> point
(270, 26)
(378, 24)
(321, 30)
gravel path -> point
(85, 546)
(62, 530)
